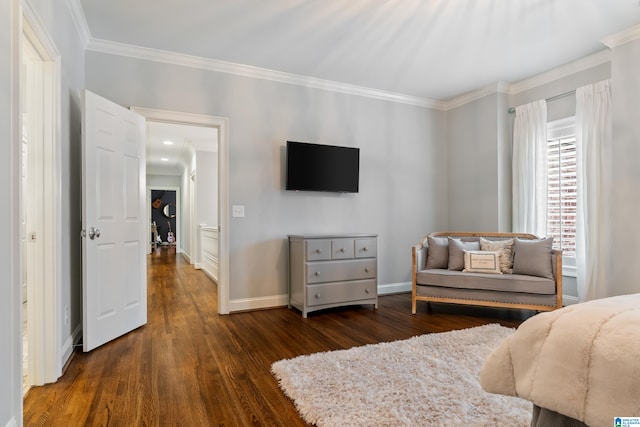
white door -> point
(114, 287)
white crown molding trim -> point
(577, 66)
(79, 20)
(622, 37)
(174, 58)
(465, 98)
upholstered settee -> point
(512, 270)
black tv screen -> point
(317, 167)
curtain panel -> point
(530, 169)
(594, 181)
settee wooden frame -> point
(488, 235)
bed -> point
(579, 365)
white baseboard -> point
(274, 301)
(209, 275)
(197, 266)
(187, 257)
(394, 288)
(67, 347)
(258, 303)
(12, 423)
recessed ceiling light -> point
(168, 142)
(164, 159)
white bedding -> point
(582, 361)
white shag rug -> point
(427, 380)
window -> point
(562, 189)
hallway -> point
(189, 366)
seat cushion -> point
(492, 282)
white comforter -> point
(582, 361)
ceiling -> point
(185, 141)
(432, 49)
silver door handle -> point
(92, 233)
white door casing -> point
(222, 124)
(113, 213)
(41, 86)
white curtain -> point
(594, 168)
(530, 169)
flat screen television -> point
(317, 167)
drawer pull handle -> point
(318, 251)
(342, 250)
(317, 296)
(317, 273)
(364, 249)
(366, 291)
(366, 270)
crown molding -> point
(465, 98)
(79, 20)
(577, 66)
(115, 48)
(622, 37)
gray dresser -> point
(332, 270)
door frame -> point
(222, 124)
(45, 322)
(178, 212)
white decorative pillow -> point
(482, 262)
(506, 252)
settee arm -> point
(418, 262)
(419, 257)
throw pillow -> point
(482, 262)
(456, 252)
(437, 252)
(506, 252)
(533, 257)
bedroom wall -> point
(207, 188)
(625, 85)
(403, 161)
(479, 178)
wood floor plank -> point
(190, 366)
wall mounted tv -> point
(317, 167)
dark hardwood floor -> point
(190, 366)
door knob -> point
(93, 233)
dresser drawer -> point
(342, 248)
(330, 293)
(318, 249)
(366, 248)
(318, 272)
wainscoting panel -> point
(209, 251)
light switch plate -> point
(237, 211)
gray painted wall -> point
(402, 190)
(475, 138)
(207, 188)
(625, 83)
(154, 180)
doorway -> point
(39, 204)
(222, 126)
(163, 205)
